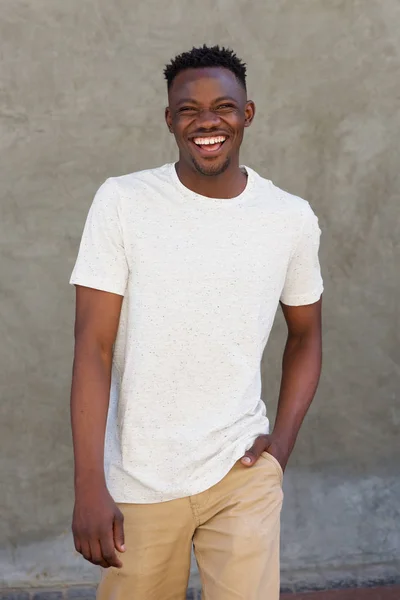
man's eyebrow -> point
(222, 98)
(193, 101)
(187, 101)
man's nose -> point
(208, 119)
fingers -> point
(99, 549)
(108, 550)
(253, 454)
(119, 537)
(85, 550)
(97, 555)
(77, 543)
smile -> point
(209, 145)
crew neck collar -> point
(205, 200)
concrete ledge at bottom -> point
(292, 583)
(89, 592)
(354, 576)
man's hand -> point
(98, 526)
(266, 443)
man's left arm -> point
(301, 367)
(301, 370)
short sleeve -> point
(303, 283)
(101, 262)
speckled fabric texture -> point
(201, 280)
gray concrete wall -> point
(82, 98)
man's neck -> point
(229, 184)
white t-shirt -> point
(201, 279)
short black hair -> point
(206, 56)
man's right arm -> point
(97, 521)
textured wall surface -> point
(82, 98)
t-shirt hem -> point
(303, 299)
(102, 285)
(154, 497)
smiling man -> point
(179, 275)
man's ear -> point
(249, 113)
(168, 119)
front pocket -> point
(275, 462)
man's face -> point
(207, 113)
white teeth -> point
(210, 140)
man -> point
(179, 275)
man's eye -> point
(225, 106)
(187, 109)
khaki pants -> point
(235, 529)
